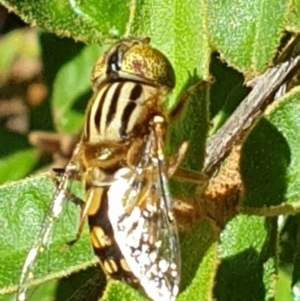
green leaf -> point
(24, 204)
(17, 158)
(70, 85)
(295, 259)
(248, 267)
(247, 33)
(270, 162)
(88, 21)
(179, 32)
(11, 47)
(294, 20)
(18, 165)
(226, 93)
(199, 261)
(283, 288)
(55, 52)
(116, 290)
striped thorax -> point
(119, 111)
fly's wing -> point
(141, 216)
(52, 214)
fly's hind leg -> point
(83, 209)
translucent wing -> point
(144, 227)
(43, 236)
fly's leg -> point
(186, 211)
(175, 113)
(84, 206)
(57, 174)
(182, 208)
(175, 161)
(172, 168)
(83, 215)
(183, 174)
(134, 152)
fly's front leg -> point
(186, 212)
(175, 113)
(173, 169)
(73, 172)
(183, 174)
(57, 173)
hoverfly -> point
(120, 160)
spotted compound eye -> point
(134, 59)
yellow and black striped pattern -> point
(119, 110)
(102, 237)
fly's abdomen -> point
(102, 237)
(119, 110)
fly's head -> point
(134, 59)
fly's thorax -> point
(121, 110)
